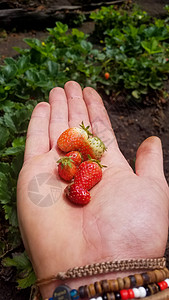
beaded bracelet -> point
(121, 288)
(106, 267)
(131, 281)
(65, 293)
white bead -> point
(99, 298)
(92, 298)
(142, 292)
(136, 293)
(167, 281)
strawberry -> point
(77, 194)
(97, 146)
(74, 138)
(81, 139)
(66, 168)
(107, 75)
(88, 174)
(75, 156)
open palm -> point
(128, 213)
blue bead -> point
(50, 298)
(74, 294)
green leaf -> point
(24, 268)
(19, 260)
(9, 61)
(20, 141)
(79, 34)
(11, 214)
(136, 94)
(23, 63)
(34, 43)
(13, 150)
(4, 136)
(151, 46)
(28, 281)
(17, 163)
(86, 45)
(32, 76)
(62, 28)
(9, 122)
(5, 168)
(101, 56)
(10, 69)
(24, 97)
(52, 67)
(5, 192)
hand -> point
(128, 214)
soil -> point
(132, 124)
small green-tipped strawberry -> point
(97, 146)
(88, 174)
(77, 194)
(75, 156)
(66, 168)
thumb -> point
(149, 158)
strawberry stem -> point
(86, 129)
(97, 161)
(65, 161)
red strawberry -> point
(106, 75)
(88, 174)
(66, 168)
(75, 156)
(77, 194)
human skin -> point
(128, 213)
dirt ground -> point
(131, 124)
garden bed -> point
(132, 124)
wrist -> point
(116, 272)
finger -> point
(76, 105)
(98, 116)
(37, 141)
(101, 127)
(149, 158)
(59, 114)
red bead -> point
(124, 294)
(130, 294)
(163, 285)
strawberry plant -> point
(109, 18)
(135, 49)
(26, 275)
